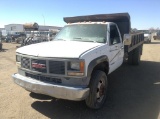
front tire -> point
(98, 90)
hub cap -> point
(100, 90)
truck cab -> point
(104, 34)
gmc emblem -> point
(38, 66)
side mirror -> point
(127, 39)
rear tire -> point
(130, 55)
(136, 56)
(98, 90)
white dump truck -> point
(75, 65)
(147, 37)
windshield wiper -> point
(61, 39)
(77, 38)
(90, 41)
(83, 39)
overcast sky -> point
(144, 13)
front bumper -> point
(57, 91)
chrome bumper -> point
(57, 91)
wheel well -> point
(103, 66)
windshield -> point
(83, 33)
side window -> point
(114, 35)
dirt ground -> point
(134, 92)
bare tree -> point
(152, 29)
(133, 30)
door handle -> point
(117, 47)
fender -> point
(94, 63)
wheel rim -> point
(100, 90)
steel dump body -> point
(137, 40)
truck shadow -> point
(133, 93)
(40, 96)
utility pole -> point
(43, 19)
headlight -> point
(76, 68)
(18, 58)
(75, 65)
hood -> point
(59, 49)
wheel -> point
(136, 56)
(130, 55)
(98, 90)
(0, 46)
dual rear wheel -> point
(134, 56)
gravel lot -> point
(134, 92)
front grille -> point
(44, 78)
(25, 62)
(57, 67)
(39, 65)
(43, 66)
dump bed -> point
(137, 40)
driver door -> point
(116, 48)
